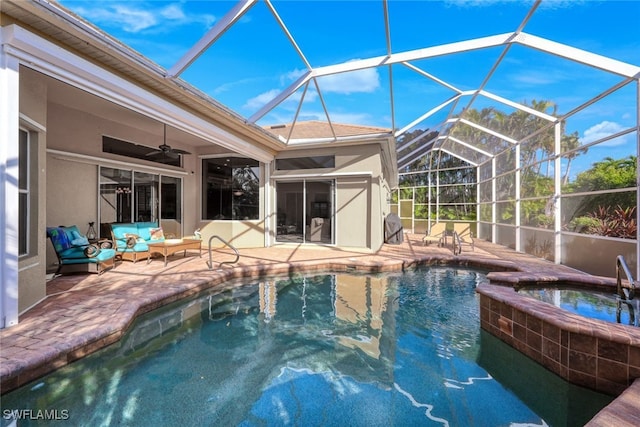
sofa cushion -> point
(103, 255)
(74, 252)
(144, 229)
(120, 230)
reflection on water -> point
(588, 303)
(325, 350)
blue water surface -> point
(327, 350)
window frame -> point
(24, 194)
(230, 187)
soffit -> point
(68, 30)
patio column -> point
(557, 200)
(518, 197)
(9, 215)
(494, 212)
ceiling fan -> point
(166, 150)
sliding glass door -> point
(290, 212)
(127, 196)
(146, 197)
(171, 205)
(305, 211)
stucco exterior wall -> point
(353, 212)
(67, 202)
(31, 268)
(241, 234)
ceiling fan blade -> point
(154, 153)
(179, 151)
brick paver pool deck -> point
(83, 313)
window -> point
(313, 162)
(136, 151)
(24, 187)
(230, 188)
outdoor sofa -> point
(131, 239)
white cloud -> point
(290, 103)
(291, 76)
(537, 77)
(129, 19)
(173, 11)
(359, 81)
(140, 17)
(230, 86)
(261, 100)
(603, 130)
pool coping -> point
(76, 331)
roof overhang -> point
(105, 67)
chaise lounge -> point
(75, 253)
(435, 234)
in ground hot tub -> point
(594, 353)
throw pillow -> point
(157, 234)
(91, 251)
(78, 239)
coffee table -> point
(171, 246)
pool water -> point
(335, 349)
(588, 303)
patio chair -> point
(465, 234)
(435, 234)
(75, 253)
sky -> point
(254, 60)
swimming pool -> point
(335, 349)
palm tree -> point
(570, 143)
